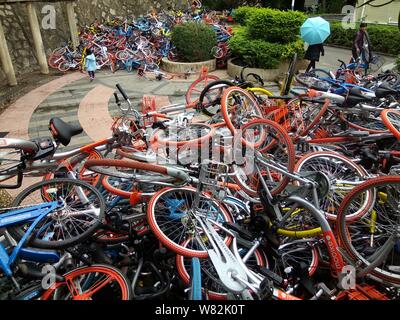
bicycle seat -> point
(62, 131)
(384, 90)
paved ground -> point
(332, 54)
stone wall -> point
(18, 35)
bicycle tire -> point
(165, 239)
(198, 82)
(344, 226)
(204, 93)
(64, 66)
(362, 127)
(289, 152)
(255, 111)
(316, 119)
(73, 276)
(391, 124)
(337, 162)
(55, 60)
(290, 75)
(17, 231)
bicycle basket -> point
(213, 179)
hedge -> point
(267, 36)
(194, 41)
(258, 53)
(241, 14)
(274, 25)
(384, 39)
(270, 24)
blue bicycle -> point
(53, 214)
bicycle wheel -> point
(59, 51)
(320, 73)
(170, 215)
(312, 82)
(342, 174)
(79, 217)
(54, 60)
(295, 220)
(210, 97)
(64, 66)
(276, 148)
(287, 84)
(195, 89)
(262, 97)
(96, 282)
(391, 119)
(368, 123)
(378, 229)
(311, 114)
(123, 55)
(238, 108)
(296, 251)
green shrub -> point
(258, 53)
(194, 41)
(241, 14)
(384, 39)
(274, 25)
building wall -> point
(386, 14)
(19, 40)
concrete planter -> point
(182, 67)
(266, 74)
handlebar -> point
(117, 101)
(122, 91)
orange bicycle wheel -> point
(97, 282)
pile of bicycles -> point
(136, 43)
(268, 197)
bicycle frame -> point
(52, 162)
(36, 213)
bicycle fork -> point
(232, 272)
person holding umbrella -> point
(313, 53)
(315, 31)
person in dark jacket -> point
(362, 46)
(313, 53)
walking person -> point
(313, 54)
(362, 46)
(91, 65)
